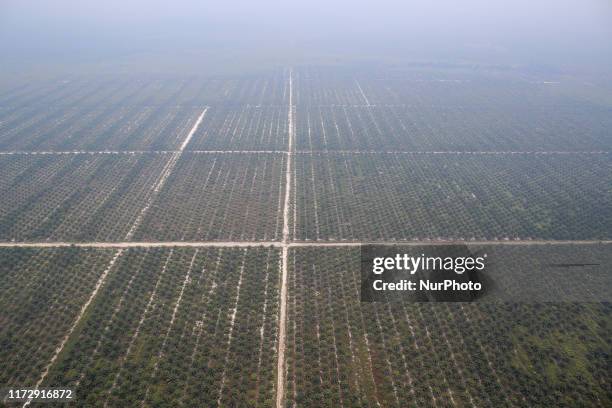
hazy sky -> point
(540, 32)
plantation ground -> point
(344, 353)
(172, 184)
(98, 129)
(243, 128)
(370, 197)
(41, 293)
(203, 320)
(74, 197)
(224, 197)
(424, 127)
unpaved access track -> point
(280, 244)
(280, 386)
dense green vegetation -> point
(422, 127)
(242, 128)
(74, 197)
(453, 196)
(224, 196)
(178, 327)
(101, 115)
(446, 110)
(41, 294)
(99, 129)
(341, 352)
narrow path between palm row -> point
(59, 348)
(164, 176)
(365, 98)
